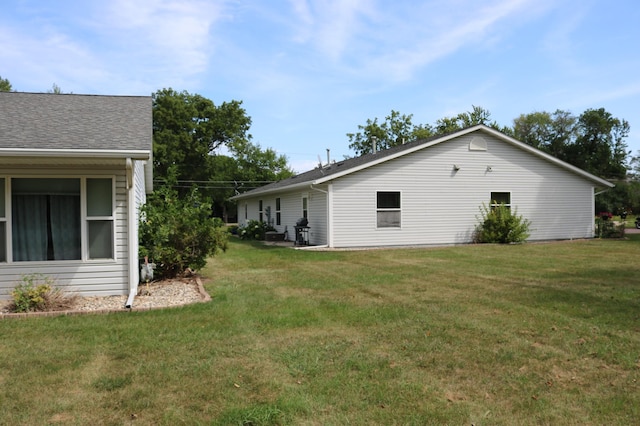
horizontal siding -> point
(318, 218)
(440, 206)
(291, 211)
(89, 278)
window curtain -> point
(46, 227)
(29, 227)
(65, 226)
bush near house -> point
(254, 230)
(37, 292)
(179, 233)
(499, 224)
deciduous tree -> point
(5, 85)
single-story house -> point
(429, 192)
(74, 170)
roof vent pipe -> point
(374, 144)
(328, 156)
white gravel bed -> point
(160, 294)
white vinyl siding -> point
(440, 206)
(99, 277)
(317, 218)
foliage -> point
(499, 224)
(254, 230)
(5, 85)
(399, 128)
(37, 292)
(187, 129)
(594, 141)
(395, 130)
(607, 228)
(249, 167)
(549, 132)
(178, 232)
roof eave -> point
(76, 153)
(286, 188)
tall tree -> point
(549, 132)
(5, 85)
(187, 128)
(600, 146)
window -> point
(388, 209)
(50, 222)
(3, 224)
(100, 218)
(45, 219)
(498, 198)
(278, 216)
(260, 210)
(305, 209)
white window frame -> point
(388, 209)
(84, 219)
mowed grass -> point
(477, 334)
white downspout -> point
(132, 227)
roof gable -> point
(44, 121)
(336, 170)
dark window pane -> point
(500, 198)
(388, 200)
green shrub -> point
(606, 228)
(499, 224)
(254, 230)
(37, 292)
(179, 233)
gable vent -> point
(478, 144)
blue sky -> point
(310, 71)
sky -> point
(308, 71)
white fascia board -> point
(75, 153)
(274, 190)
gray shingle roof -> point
(338, 167)
(67, 121)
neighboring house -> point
(74, 170)
(430, 192)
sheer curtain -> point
(65, 226)
(46, 227)
(29, 214)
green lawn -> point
(476, 334)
